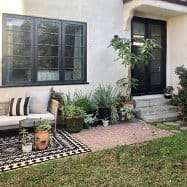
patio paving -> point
(137, 131)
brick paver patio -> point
(136, 131)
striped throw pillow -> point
(19, 106)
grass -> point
(157, 163)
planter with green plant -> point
(42, 128)
(73, 117)
(26, 140)
(127, 112)
(105, 96)
(168, 92)
(130, 59)
(89, 120)
(84, 101)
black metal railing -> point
(180, 2)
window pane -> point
(48, 51)
(44, 38)
(74, 40)
(139, 28)
(18, 52)
(18, 24)
(75, 52)
(18, 69)
(74, 29)
(47, 75)
(73, 69)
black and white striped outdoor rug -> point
(63, 145)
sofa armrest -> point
(53, 107)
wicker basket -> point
(74, 125)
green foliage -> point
(130, 59)
(127, 111)
(42, 125)
(71, 111)
(84, 101)
(105, 96)
(26, 137)
(89, 119)
(181, 98)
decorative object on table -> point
(168, 92)
(63, 145)
(42, 128)
(73, 117)
(26, 140)
(89, 120)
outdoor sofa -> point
(8, 121)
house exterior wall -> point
(176, 47)
(104, 19)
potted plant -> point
(42, 128)
(89, 120)
(127, 112)
(168, 92)
(105, 122)
(26, 140)
(130, 58)
(104, 97)
(73, 117)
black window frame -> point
(61, 54)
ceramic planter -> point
(41, 140)
(105, 123)
(26, 148)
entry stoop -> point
(153, 108)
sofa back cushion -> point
(39, 101)
(19, 106)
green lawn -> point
(158, 163)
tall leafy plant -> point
(182, 91)
(130, 59)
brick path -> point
(101, 137)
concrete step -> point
(161, 117)
(150, 100)
(156, 109)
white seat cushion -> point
(47, 115)
(10, 120)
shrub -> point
(181, 98)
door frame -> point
(163, 24)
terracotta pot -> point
(41, 140)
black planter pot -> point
(167, 96)
(104, 113)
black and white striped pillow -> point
(19, 106)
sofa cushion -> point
(39, 101)
(47, 115)
(19, 106)
(10, 120)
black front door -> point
(151, 77)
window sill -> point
(43, 84)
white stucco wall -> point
(104, 19)
(176, 47)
